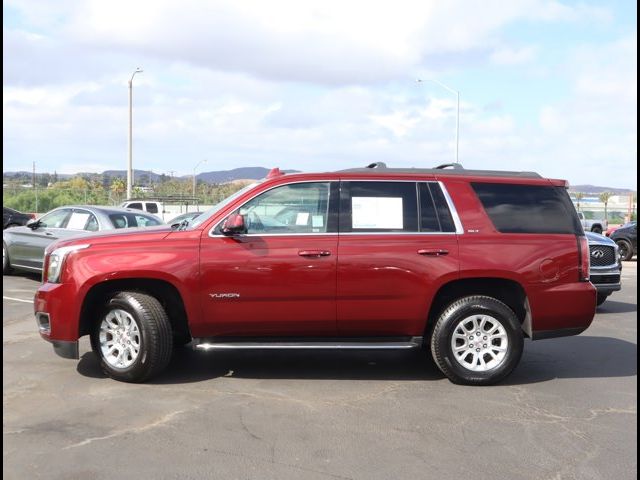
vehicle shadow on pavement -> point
(611, 306)
(570, 357)
(575, 357)
(189, 366)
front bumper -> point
(66, 349)
(606, 280)
(56, 312)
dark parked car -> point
(14, 218)
(23, 247)
(466, 263)
(627, 239)
(605, 265)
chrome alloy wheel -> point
(119, 338)
(479, 343)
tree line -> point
(18, 192)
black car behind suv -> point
(627, 239)
(14, 218)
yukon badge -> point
(224, 295)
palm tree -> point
(118, 187)
(604, 198)
(579, 196)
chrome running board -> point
(397, 343)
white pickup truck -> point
(165, 211)
(595, 225)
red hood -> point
(115, 236)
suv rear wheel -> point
(132, 337)
(477, 341)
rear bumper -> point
(562, 310)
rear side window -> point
(434, 211)
(379, 207)
(528, 208)
(143, 221)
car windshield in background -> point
(129, 220)
(206, 215)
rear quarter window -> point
(528, 208)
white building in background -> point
(619, 208)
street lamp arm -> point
(138, 70)
(419, 80)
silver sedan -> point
(23, 247)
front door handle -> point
(433, 252)
(314, 253)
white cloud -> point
(307, 85)
(513, 56)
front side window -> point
(137, 206)
(55, 219)
(289, 209)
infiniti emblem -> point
(597, 254)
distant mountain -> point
(593, 189)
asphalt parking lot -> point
(568, 411)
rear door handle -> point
(314, 253)
(433, 252)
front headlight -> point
(56, 260)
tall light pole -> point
(194, 176)
(130, 169)
(419, 80)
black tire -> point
(601, 298)
(6, 262)
(450, 320)
(596, 229)
(626, 250)
(155, 337)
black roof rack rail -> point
(377, 165)
(455, 166)
(439, 171)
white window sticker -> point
(376, 212)
(317, 221)
(302, 218)
(78, 221)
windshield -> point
(218, 206)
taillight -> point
(584, 259)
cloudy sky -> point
(320, 85)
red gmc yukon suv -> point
(466, 263)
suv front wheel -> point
(132, 337)
(477, 341)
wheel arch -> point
(165, 292)
(508, 291)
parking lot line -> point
(17, 299)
